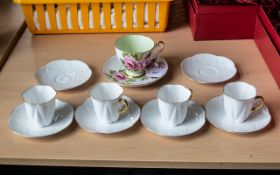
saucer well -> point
(216, 116)
(64, 74)
(115, 71)
(152, 120)
(208, 68)
(21, 125)
(86, 118)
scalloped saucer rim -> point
(86, 119)
(59, 82)
(132, 82)
(216, 116)
(19, 125)
(151, 120)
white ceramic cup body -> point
(40, 104)
(173, 103)
(106, 101)
(239, 100)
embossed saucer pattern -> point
(208, 68)
(64, 74)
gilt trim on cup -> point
(185, 97)
(125, 45)
(24, 94)
(99, 87)
(235, 85)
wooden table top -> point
(137, 147)
(12, 26)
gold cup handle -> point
(124, 106)
(259, 105)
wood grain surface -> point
(12, 26)
(137, 147)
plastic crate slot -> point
(40, 14)
(118, 10)
(85, 15)
(151, 15)
(107, 15)
(140, 15)
(74, 16)
(52, 17)
(99, 16)
(96, 15)
(163, 14)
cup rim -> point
(27, 101)
(121, 93)
(188, 99)
(122, 37)
(237, 98)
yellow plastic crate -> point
(95, 16)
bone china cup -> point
(240, 100)
(137, 52)
(173, 103)
(40, 104)
(108, 102)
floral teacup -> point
(137, 53)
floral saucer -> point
(115, 71)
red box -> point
(216, 22)
(268, 40)
(270, 29)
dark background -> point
(44, 170)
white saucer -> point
(151, 120)
(216, 116)
(86, 118)
(21, 125)
(64, 74)
(114, 71)
(208, 68)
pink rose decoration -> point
(119, 76)
(130, 63)
(146, 63)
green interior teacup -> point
(136, 52)
(134, 44)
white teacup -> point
(108, 102)
(240, 100)
(173, 102)
(40, 104)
